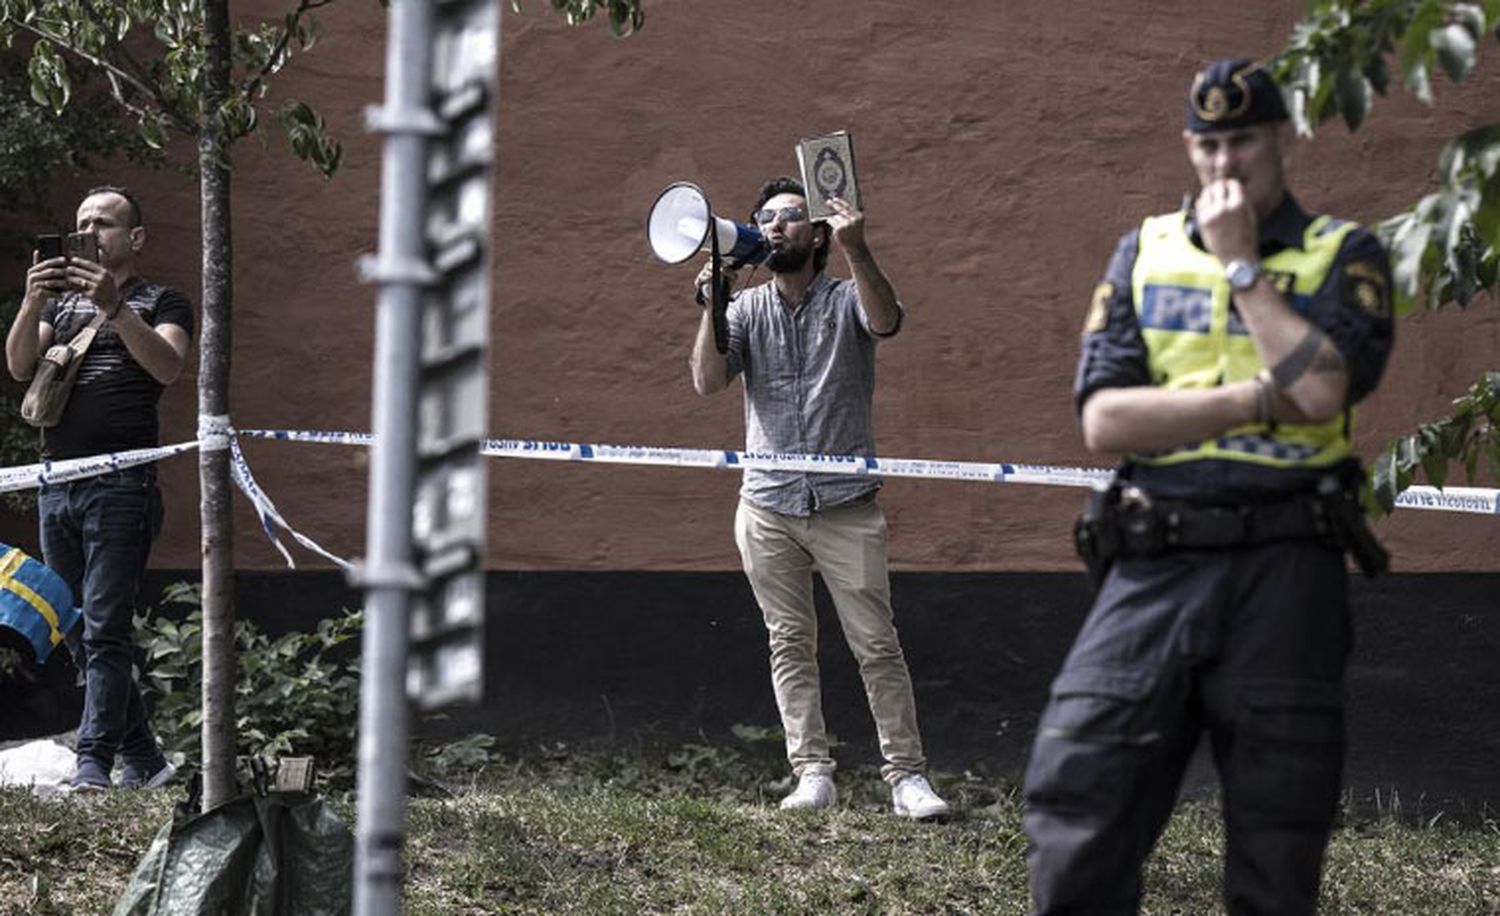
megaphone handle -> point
(720, 300)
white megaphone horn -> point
(679, 224)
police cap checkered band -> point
(1233, 93)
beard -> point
(789, 260)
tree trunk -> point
(213, 401)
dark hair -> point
(788, 185)
(135, 205)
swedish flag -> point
(34, 601)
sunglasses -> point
(786, 214)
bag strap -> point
(85, 338)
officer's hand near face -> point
(45, 280)
(1226, 220)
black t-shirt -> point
(113, 404)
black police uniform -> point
(1246, 640)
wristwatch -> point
(1242, 274)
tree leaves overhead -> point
(308, 137)
(1471, 433)
(625, 16)
(1446, 247)
(51, 85)
(163, 91)
(1338, 60)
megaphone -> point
(680, 225)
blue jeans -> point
(96, 534)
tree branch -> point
(250, 86)
(115, 75)
(133, 65)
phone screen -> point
(49, 246)
(83, 245)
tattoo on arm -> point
(1306, 355)
(1330, 360)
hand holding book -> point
(827, 165)
(848, 225)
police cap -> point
(1232, 93)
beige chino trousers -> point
(847, 546)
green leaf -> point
(1353, 97)
(152, 131)
(308, 33)
(1297, 108)
(50, 83)
(1408, 249)
(1470, 17)
(1435, 467)
(1455, 50)
(1385, 484)
(1475, 152)
(1324, 96)
(1378, 74)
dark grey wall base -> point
(625, 658)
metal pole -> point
(389, 577)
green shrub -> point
(291, 698)
(295, 696)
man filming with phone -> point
(97, 532)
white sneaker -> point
(814, 791)
(912, 797)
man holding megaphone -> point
(803, 344)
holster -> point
(1095, 535)
(1348, 526)
(1124, 520)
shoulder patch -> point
(1365, 286)
(1098, 318)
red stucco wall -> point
(1002, 148)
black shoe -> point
(90, 776)
(151, 776)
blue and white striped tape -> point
(1480, 500)
(1477, 500)
(31, 476)
(270, 519)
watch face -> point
(1242, 275)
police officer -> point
(1222, 355)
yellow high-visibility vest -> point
(1194, 341)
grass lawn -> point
(697, 831)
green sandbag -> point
(281, 854)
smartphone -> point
(49, 247)
(84, 246)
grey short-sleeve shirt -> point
(809, 377)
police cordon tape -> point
(1477, 500)
(29, 476)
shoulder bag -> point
(55, 373)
